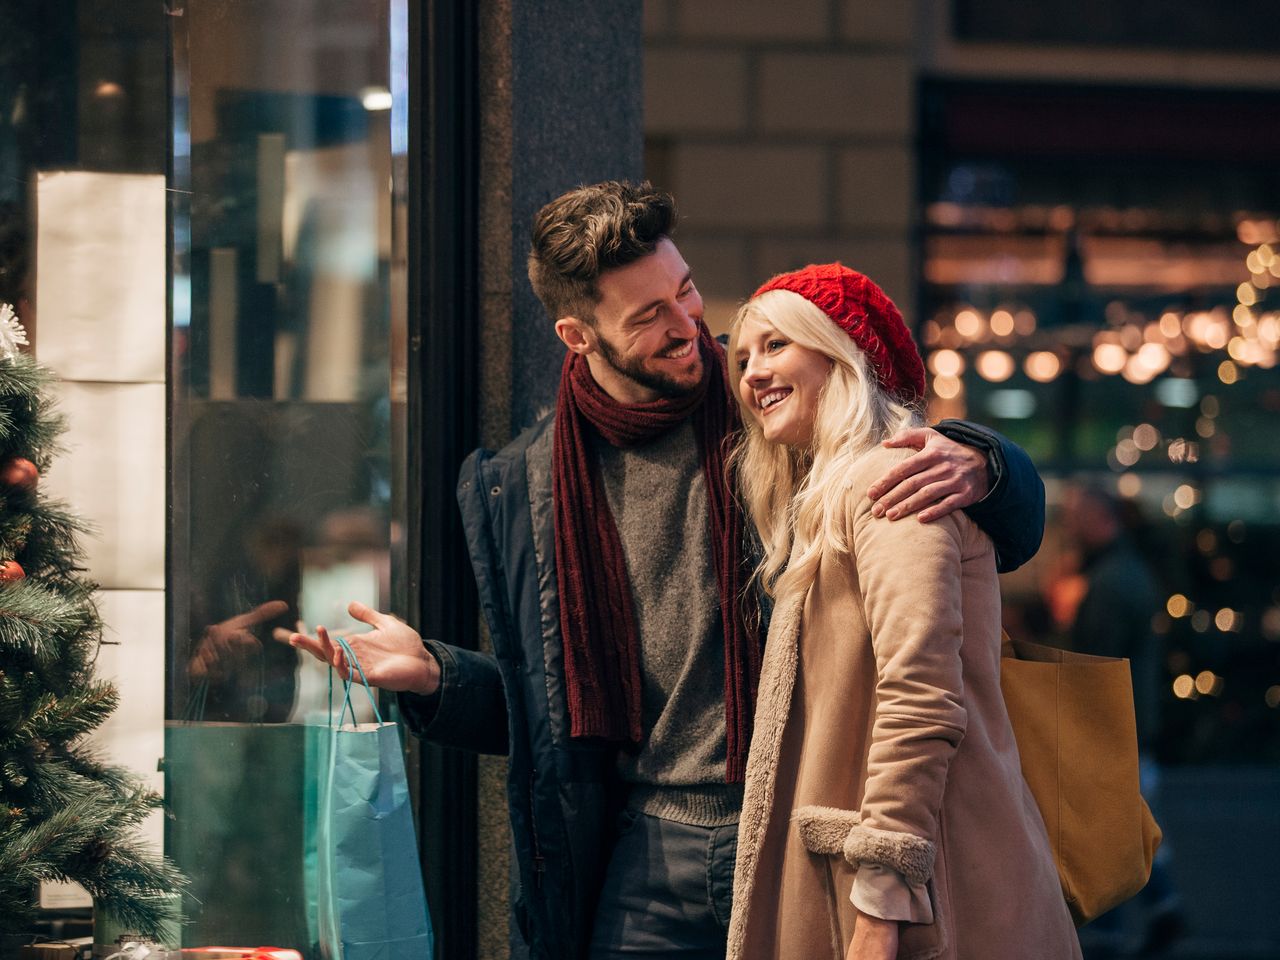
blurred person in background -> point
(1114, 619)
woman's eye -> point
(777, 344)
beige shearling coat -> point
(881, 736)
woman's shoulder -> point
(874, 464)
(860, 474)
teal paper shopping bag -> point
(371, 904)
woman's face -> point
(779, 382)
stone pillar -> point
(575, 106)
(560, 105)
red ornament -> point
(10, 571)
(19, 472)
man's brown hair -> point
(582, 233)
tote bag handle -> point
(352, 661)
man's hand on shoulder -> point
(940, 477)
(391, 654)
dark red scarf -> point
(601, 640)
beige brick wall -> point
(766, 20)
(696, 89)
(786, 132)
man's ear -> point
(577, 335)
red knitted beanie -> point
(865, 312)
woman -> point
(885, 812)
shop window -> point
(287, 389)
(1101, 282)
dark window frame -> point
(443, 423)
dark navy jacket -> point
(561, 792)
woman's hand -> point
(873, 939)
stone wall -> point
(786, 132)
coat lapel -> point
(773, 704)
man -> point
(610, 560)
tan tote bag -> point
(1072, 715)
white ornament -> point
(12, 334)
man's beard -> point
(660, 383)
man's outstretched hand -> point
(941, 477)
(391, 654)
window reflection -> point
(282, 436)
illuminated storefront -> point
(1100, 283)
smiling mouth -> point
(682, 352)
(773, 398)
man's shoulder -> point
(532, 442)
(521, 468)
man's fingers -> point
(915, 464)
(946, 505)
(915, 437)
(345, 670)
(891, 479)
(336, 656)
(904, 488)
(366, 614)
(928, 496)
(310, 644)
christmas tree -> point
(65, 814)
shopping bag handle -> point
(352, 661)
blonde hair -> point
(797, 496)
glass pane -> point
(287, 379)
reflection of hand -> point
(873, 939)
(225, 645)
(943, 476)
(391, 655)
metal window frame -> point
(443, 422)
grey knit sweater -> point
(658, 498)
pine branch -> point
(128, 868)
(91, 840)
(52, 546)
(36, 621)
(31, 851)
(86, 763)
(60, 720)
(65, 813)
(23, 377)
(8, 425)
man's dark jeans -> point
(667, 892)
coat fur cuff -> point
(910, 855)
(825, 829)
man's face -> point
(645, 335)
